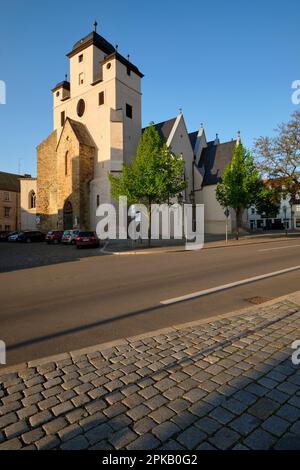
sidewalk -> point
(222, 383)
(128, 247)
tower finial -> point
(116, 47)
(95, 26)
(128, 57)
(66, 77)
(238, 139)
(180, 110)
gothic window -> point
(32, 200)
(128, 110)
(66, 163)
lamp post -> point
(285, 224)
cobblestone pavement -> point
(227, 383)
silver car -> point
(69, 237)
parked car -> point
(4, 235)
(13, 237)
(69, 237)
(87, 239)
(54, 236)
(31, 236)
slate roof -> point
(81, 133)
(95, 39)
(10, 182)
(214, 158)
(164, 128)
(193, 138)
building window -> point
(32, 200)
(7, 228)
(252, 210)
(98, 200)
(80, 58)
(108, 66)
(6, 196)
(66, 163)
(128, 71)
(81, 78)
(80, 107)
(128, 110)
(101, 98)
(57, 94)
(6, 211)
(62, 118)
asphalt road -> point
(69, 305)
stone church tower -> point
(97, 126)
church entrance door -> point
(68, 216)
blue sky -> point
(229, 64)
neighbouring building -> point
(97, 127)
(28, 203)
(288, 217)
(9, 201)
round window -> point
(108, 65)
(80, 107)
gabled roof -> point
(81, 132)
(164, 128)
(215, 158)
(193, 138)
(9, 182)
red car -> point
(87, 239)
(54, 236)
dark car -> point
(4, 235)
(87, 239)
(31, 236)
(54, 236)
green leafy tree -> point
(239, 184)
(267, 201)
(153, 177)
(279, 156)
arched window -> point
(32, 200)
(98, 200)
(66, 163)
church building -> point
(97, 125)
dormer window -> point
(80, 58)
(81, 79)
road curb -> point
(153, 251)
(292, 299)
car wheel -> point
(28, 240)
(73, 242)
(78, 247)
(55, 242)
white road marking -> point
(227, 286)
(279, 248)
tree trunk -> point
(149, 223)
(238, 216)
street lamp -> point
(285, 224)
